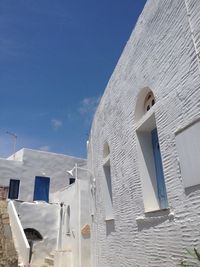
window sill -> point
(154, 216)
(158, 211)
(109, 218)
(106, 160)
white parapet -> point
(20, 240)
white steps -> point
(49, 261)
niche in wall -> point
(188, 147)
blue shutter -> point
(162, 195)
(41, 190)
(13, 189)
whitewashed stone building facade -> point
(48, 208)
(144, 146)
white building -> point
(144, 145)
(143, 160)
(50, 207)
(28, 167)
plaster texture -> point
(163, 55)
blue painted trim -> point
(41, 190)
(162, 194)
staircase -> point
(58, 259)
(48, 262)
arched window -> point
(149, 101)
(149, 154)
(108, 182)
(145, 101)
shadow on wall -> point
(153, 219)
(110, 227)
(192, 189)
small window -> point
(13, 189)
(72, 180)
(149, 101)
(108, 183)
(144, 102)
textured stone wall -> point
(8, 255)
(3, 193)
(162, 53)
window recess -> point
(150, 166)
(108, 184)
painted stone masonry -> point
(8, 255)
(138, 198)
(144, 143)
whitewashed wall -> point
(77, 197)
(44, 218)
(70, 240)
(161, 54)
(30, 163)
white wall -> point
(161, 54)
(77, 196)
(70, 241)
(19, 238)
(30, 163)
(44, 218)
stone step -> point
(49, 261)
(51, 255)
(43, 265)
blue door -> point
(162, 195)
(13, 189)
(41, 190)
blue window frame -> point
(41, 190)
(162, 194)
(13, 189)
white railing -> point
(19, 237)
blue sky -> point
(56, 59)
